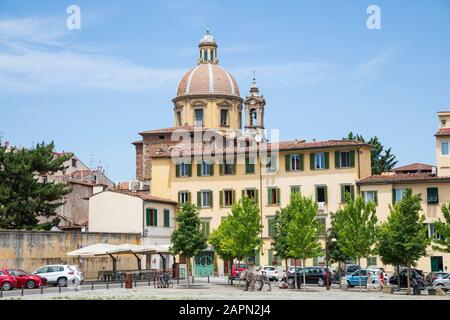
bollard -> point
(21, 292)
(42, 290)
(59, 289)
(121, 283)
(149, 282)
(92, 285)
(208, 279)
(107, 285)
(135, 282)
(1, 292)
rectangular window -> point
(432, 196)
(198, 117)
(347, 188)
(271, 227)
(151, 217)
(273, 196)
(223, 117)
(444, 148)
(322, 223)
(204, 226)
(184, 169)
(206, 169)
(74, 162)
(205, 201)
(319, 160)
(295, 162)
(321, 194)
(271, 165)
(252, 194)
(370, 196)
(432, 232)
(228, 198)
(179, 118)
(344, 159)
(295, 189)
(249, 165)
(228, 168)
(371, 261)
(398, 194)
(184, 197)
(166, 218)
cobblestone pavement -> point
(219, 289)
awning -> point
(102, 249)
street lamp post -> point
(326, 260)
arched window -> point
(253, 117)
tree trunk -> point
(187, 271)
(286, 261)
(296, 286)
(239, 273)
(304, 275)
(398, 277)
(408, 278)
(359, 277)
(339, 273)
(230, 274)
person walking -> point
(381, 280)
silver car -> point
(443, 283)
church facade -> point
(212, 157)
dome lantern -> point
(207, 49)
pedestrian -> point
(381, 279)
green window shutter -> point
(242, 193)
(199, 199)
(179, 197)
(212, 169)
(177, 170)
(256, 196)
(326, 193)
(269, 195)
(147, 216)
(376, 197)
(315, 261)
(221, 198)
(327, 160)
(317, 194)
(189, 197)
(233, 199)
(278, 196)
(337, 156)
(393, 196)
(271, 226)
(207, 228)
(257, 258)
(342, 194)
(189, 169)
(221, 169)
(287, 162)
(247, 165)
(211, 198)
(352, 158)
(166, 218)
(270, 257)
(352, 191)
(155, 217)
(302, 160)
(199, 169)
(311, 161)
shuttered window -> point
(273, 196)
(321, 194)
(166, 218)
(249, 165)
(347, 188)
(151, 217)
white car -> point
(58, 274)
(78, 273)
(443, 283)
(271, 272)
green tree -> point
(356, 228)
(280, 242)
(187, 239)
(245, 228)
(382, 159)
(220, 239)
(303, 231)
(335, 254)
(403, 237)
(443, 228)
(24, 201)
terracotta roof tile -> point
(401, 178)
(415, 167)
(144, 196)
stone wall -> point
(29, 250)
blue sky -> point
(323, 73)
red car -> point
(25, 279)
(237, 269)
(7, 281)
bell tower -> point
(254, 111)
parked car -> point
(313, 275)
(403, 278)
(237, 269)
(443, 283)
(290, 271)
(352, 280)
(58, 274)
(78, 273)
(7, 281)
(433, 276)
(25, 279)
(270, 271)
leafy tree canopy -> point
(443, 228)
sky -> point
(322, 71)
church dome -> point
(208, 79)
